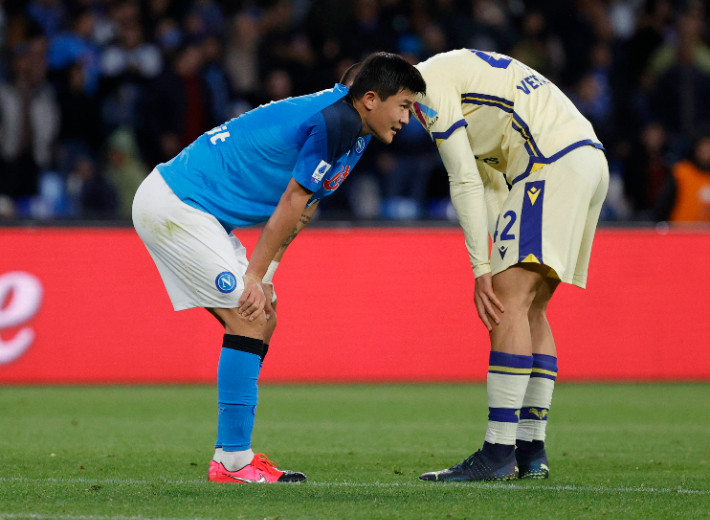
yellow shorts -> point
(550, 217)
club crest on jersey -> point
(360, 146)
(334, 183)
(425, 113)
(320, 171)
(226, 282)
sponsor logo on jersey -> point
(320, 171)
(502, 250)
(423, 113)
(334, 183)
(533, 193)
(226, 282)
(359, 146)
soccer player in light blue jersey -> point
(271, 165)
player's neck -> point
(363, 111)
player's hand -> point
(252, 302)
(486, 301)
(270, 299)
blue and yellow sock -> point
(537, 400)
(508, 376)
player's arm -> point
(467, 196)
(318, 151)
(495, 191)
(303, 221)
(267, 281)
(276, 232)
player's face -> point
(389, 116)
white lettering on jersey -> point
(25, 292)
(221, 134)
(320, 171)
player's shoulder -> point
(445, 61)
(342, 124)
(343, 116)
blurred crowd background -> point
(95, 93)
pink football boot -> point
(259, 471)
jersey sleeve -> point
(468, 198)
(329, 134)
(439, 110)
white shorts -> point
(200, 264)
(550, 217)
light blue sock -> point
(237, 376)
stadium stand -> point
(94, 93)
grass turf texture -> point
(624, 451)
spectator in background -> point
(406, 167)
(77, 46)
(29, 120)
(80, 131)
(491, 29)
(366, 33)
(204, 18)
(215, 78)
(126, 67)
(651, 30)
(124, 169)
(93, 197)
(242, 53)
(177, 108)
(278, 86)
(169, 37)
(50, 14)
(646, 170)
(687, 194)
(593, 96)
(286, 46)
(681, 98)
(537, 48)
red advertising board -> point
(88, 306)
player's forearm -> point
(470, 207)
(467, 196)
(279, 230)
(495, 191)
(303, 221)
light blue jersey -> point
(238, 171)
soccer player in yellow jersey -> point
(525, 167)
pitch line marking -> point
(481, 485)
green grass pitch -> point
(100, 453)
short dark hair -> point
(350, 74)
(386, 74)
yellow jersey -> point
(485, 108)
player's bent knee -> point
(235, 323)
(272, 321)
(537, 314)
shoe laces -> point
(261, 462)
(472, 461)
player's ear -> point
(369, 99)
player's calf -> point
(530, 451)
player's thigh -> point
(543, 295)
(542, 220)
(517, 286)
(200, 264)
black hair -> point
(386, 74)
(350, 74)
